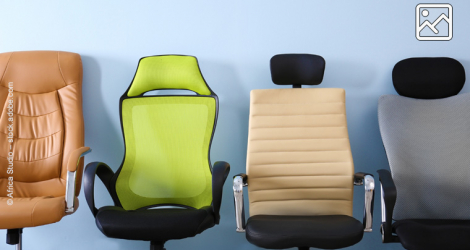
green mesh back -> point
(167, 148)
(167, 137)
(168, 72)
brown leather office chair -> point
(41, 139)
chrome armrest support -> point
(70, 192)
(369, 186)
(70, 187)
(382, 205)
(239, 182)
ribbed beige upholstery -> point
(299, 160)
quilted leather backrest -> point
(299, 160)
(48, 120)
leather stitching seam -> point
(36, 159)
(15, 91)
(6, 67)
(37, 115)
(32, 211)
(60, 69)
(33, 138)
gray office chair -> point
(426, 135)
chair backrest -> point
(299, 159)
(427, 141)
(46, 92)
(167, 137)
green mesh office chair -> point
(165, 188)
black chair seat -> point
(326, 232)
(153, 224)
(428, 234)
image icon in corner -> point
(434, 22)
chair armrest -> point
(219, 175)
(369, 185)
(239, 181)
(71, 184)
(388, 199)
(105, 174)
(75, 157)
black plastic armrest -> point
(388, 199)
(220, 172)
(105, 174)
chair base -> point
(14, 237)
(157, 245)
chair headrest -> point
(297, 69)
(37, 72)
(168, 72)
(428, 77)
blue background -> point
(233, 40)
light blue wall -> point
(233, 40)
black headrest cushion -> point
(428, 77)
(297, 69)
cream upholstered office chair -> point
(41, 166)
(300, 171)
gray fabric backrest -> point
(428, 148)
